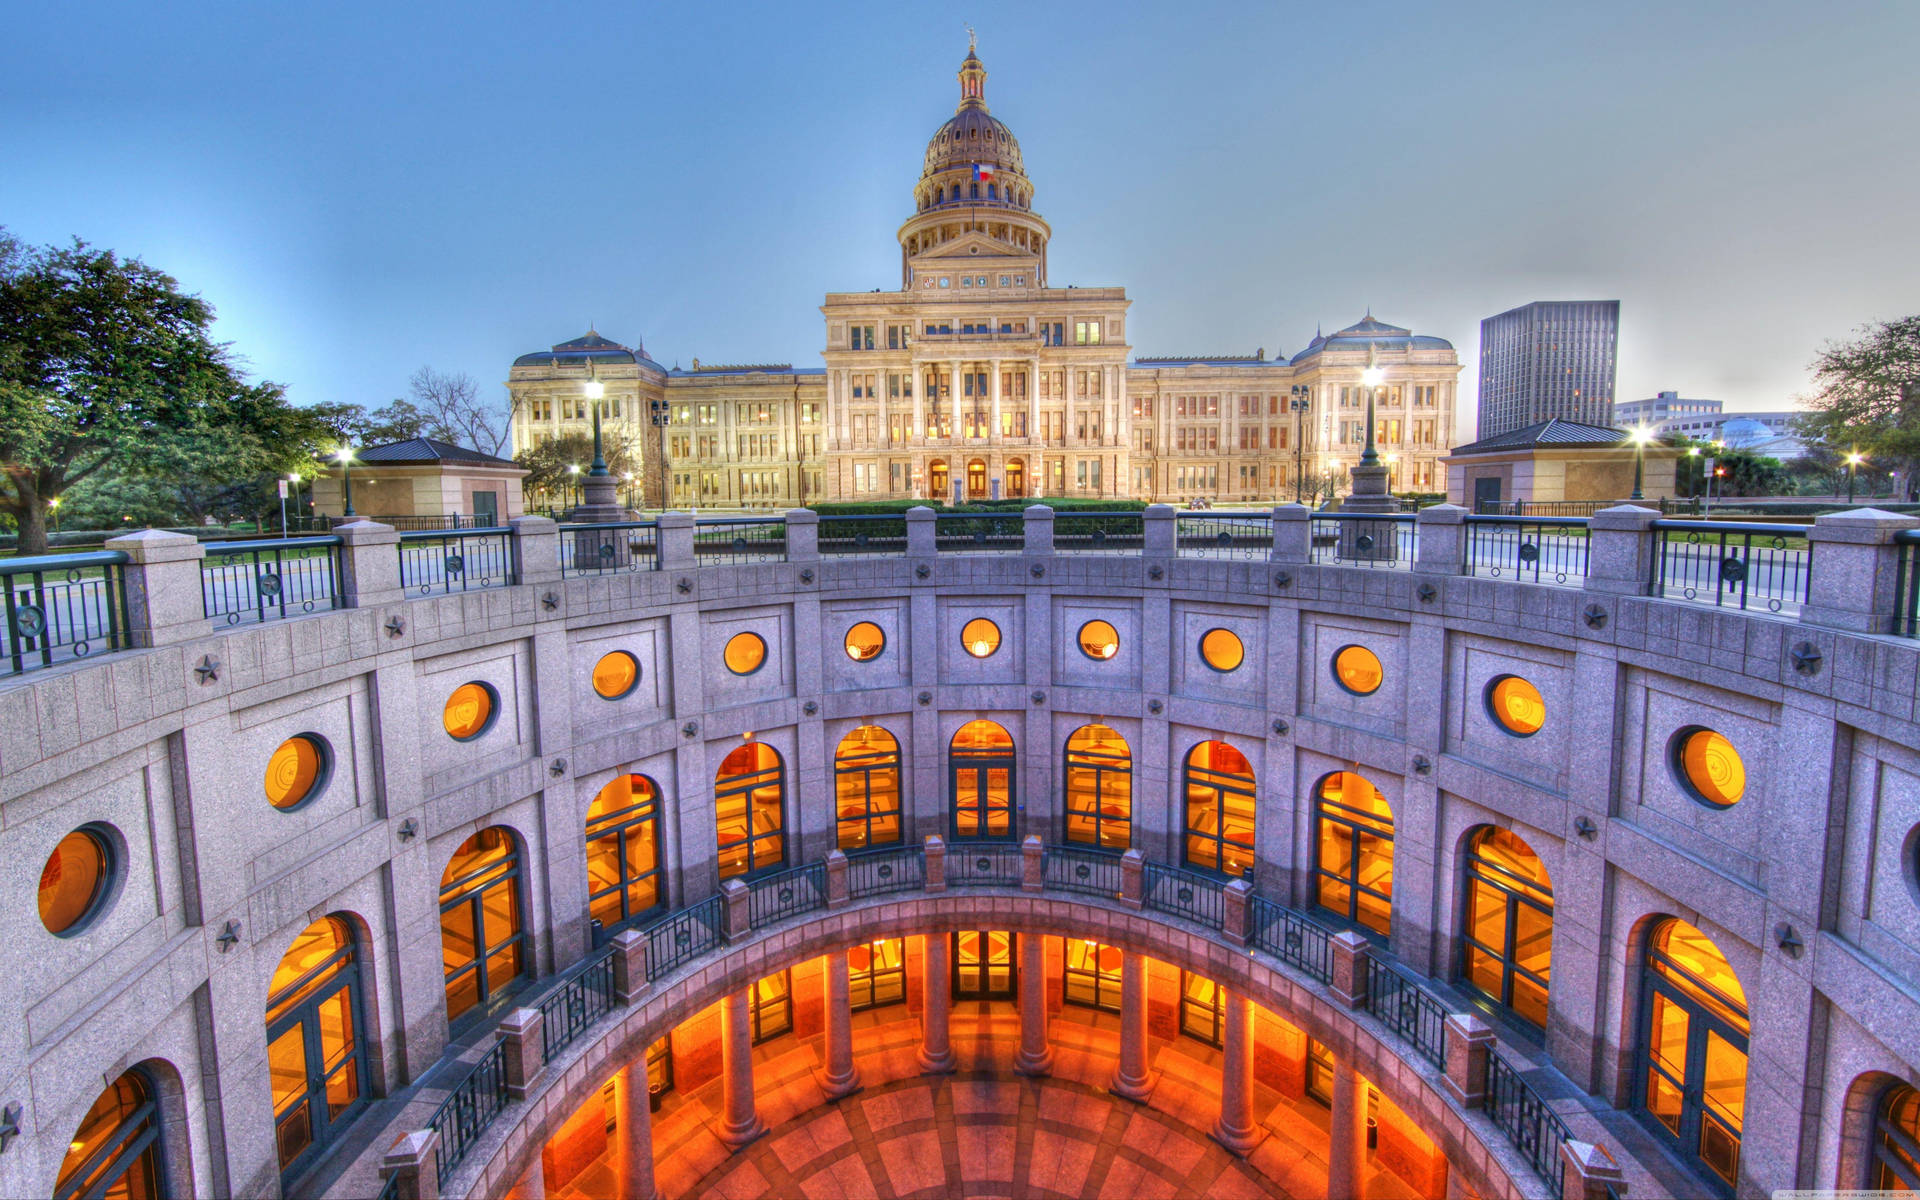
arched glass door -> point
(983, 967)
(1219, 786)
(937, 484)
(316, 1042)
(1353, 852)
(1016, 479)
(977, 479)
(623, 851)
(1506, 944)
(980, 769)
(116, 1151)
(1895, 1165)
(749, 802)
(1692, 1054)
(866, 785)
(482, 948)
(1099, 798)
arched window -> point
(316, 1042)
(623, 851)
(937, 480)
(750, 807)
(973, 191)
(977, 478)
(866, 788)
(482, 948)
(939, 195)
(1353, 851)
(993, 191)
(1692, 1077)
(1219, 787)
(980, 768)
(116, 1150)
(1506, 945)
(1099, 789)
(1896, 1142)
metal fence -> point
(1363, 539)
(880, 872)
(609, 548)
(63, 607)
(1185, 894)
(1732, 564)
(1534, 1129)
(683, 936)
(268, 579)
(980, 533)
(786, 893)
(1550, 549)
(1398, 1000)
(456, 561)
(862, 534)
(976, 865)
(1099, 532)
(1906, 584)
(1290, 937)
(727, 541)
(464, 1115)
(581, 999)
(1245, 536)
(1070, 869)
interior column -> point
(1347, 1133)
(841, 1077)
(936, 1006)
(1235, 1130)
(1130, 1078)
(1036, 1056)
(636, 1134)
(993, 406)
(742, 1122)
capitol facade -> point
(981, 378)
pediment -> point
(972, 247)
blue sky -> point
(363, 189)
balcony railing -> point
(1185, 894)
(1732, 564)
(787, 894)
(1246, 536)
(973, 864)
(456, 561)
(1291, 937)
(608, 549)
(1364, 539)
(727, 541)
(1407, 1008)
(1076, 869)
(1099, 532)
(469, 1109)
(268, 579)
(60, 607)
(583, 997)
(1534, 1129)
(1532, 549)
(979, 533)
(883, 872)
(683, 936)
(862, 534)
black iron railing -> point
(979, 533)
(1099, 532)
(683, 936)
(1182, 893)
(63, 607)
(1402, 1005)
(1732, 564)
(456, 560)
(1906, 584)
(1246, 536)
(1553, 549)
(862, 534)
(582, 998)
(881, 872)
(609, 548)
(1534, 1129)
(1075, 869)
(786, 893)
(1541, 508)
(972, 864)
(465, 1114)
(1291, 937)
(268, 579)
(726, 541)
(1363, 539)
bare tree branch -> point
(456, 413)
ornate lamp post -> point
(1854, 460)
(1300, 399)
(345, 458)
(1640, 439)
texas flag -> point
(982, 174)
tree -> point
(550, 465)
(1868, 396)
(351, 424)
(104, 364)
(454, 411)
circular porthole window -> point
(77, 881)
(865, 641)
(1099, 639)
(1221, 650)
(1516, 705)
(1356, 669)
(470, 711)
(980, 637)
(616, 675)
(745, 653)
(298, 771)
(1708, 767)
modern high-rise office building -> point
(1551, 358)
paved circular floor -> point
(981, 1134)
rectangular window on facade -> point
(877, 974)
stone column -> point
(840, 1078)
(993, 393)
(533, 1185)
(636, 1133)
(1347, 1134)
(1588, 1172)
(1036, 1056)
(1066, 414)
(1442, 546)
(742, 1120)
(165, 601)
(1292, 533)
(936, 1005)
(409, 1163)
(1131, 1080)
(1620, 550)
(1236, 1129)
(919, 383)
(1858, 564)
(1033, 420)
(958, 434)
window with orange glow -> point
(745, 653)
(482, 945)
(298, 771)
(1358, 670)
(1221, 650)
(75, 881)
(1506, 945)
(1516, 705)
(865, 641)
(1353, 852)
(116, 1151)
(877, 973)
(750, 806)
(623, 851)
(1099, 640)
(470, 711)
(866, 785)
(980, 637)
(980, 770)
(1692, 1076)
(1099, 791)
(1219, 788)
(1710, 769)
(616, 675)
(316, 1046)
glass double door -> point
(982, 787)
(983, 965)
(1693, 1078)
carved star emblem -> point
(395, 626)
(1806, 658)
(209, 669)
(229, 936)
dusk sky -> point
(364, 189)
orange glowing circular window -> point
(1709, 767)
(1516, 705)
(981, 637)
(298, 771)
(470, 711)
(1356, 669)
(745, 653)
(1221, 650)
(616, 675)
(74, 882)
(1099, 639)
(865, 641)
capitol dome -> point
(973, 158)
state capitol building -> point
(980, 379)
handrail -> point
(238, 546)
(1559, 522)
(1774, 529)
(464, 531)
(1523, 1115)
(61, 562)
(469, 1108)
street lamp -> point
(345, 458)
(1641, 436)
(53, 506)
(293, 483)
(1370, 377)
(573, 470)
(1853, 465)
(1300, 401)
